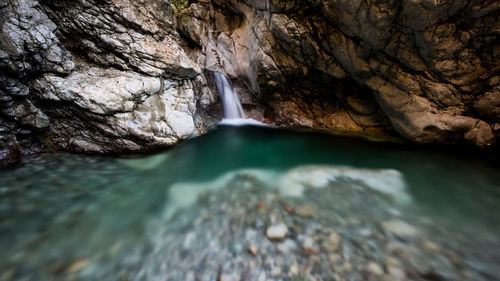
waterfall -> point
(230, 102)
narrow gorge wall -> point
(96, 76)
(124, 75)
(429, 67)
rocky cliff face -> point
(429, 67)
(124, 75)
(96, 76)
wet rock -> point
(77, 265)
(400, 228)
(276, 271)
(305, 211)
(253, 250)
(332, 242)
(277, 232)
(289, 209)
(374, 269)
(10, 153)
(309, 246)
(7, 275)
(422, 87)
(288, 246)
(213, 238)
(430, 246)
(394, 269)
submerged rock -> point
(277, 232)
(374, 269)
(332, 243)
(305, 211)
(126, 235)
(400, 228)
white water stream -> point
(230, 101)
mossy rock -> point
(180, 4)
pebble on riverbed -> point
(253, 250)
(400, 228)
(309, 246)
(332, 243)
(305, 211)
(248, 234)
(374, 269)
(77, 265)
(277, 232)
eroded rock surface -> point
(426, 69)
(115, 111)
(430, 65)
(97, 76)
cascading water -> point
(230, 102)
(233, 111)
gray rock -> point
(112, 110)
(277, 232)
(126, 34)
(10, 153)
(374, 269)
(332, 243)
(424, 83)
(400, 228)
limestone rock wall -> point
(96, 76)
(432, 66)
(124, 75)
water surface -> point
(77, 217)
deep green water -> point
(465, 183)
(57, 208)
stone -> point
(253, 250)
(347, 266)
(127, 112)
(7, 274)
(276, 271)
(130, 57)
(305, 211)
(287, 247)
(294, 269)
(77, 265)
(289, 209)
(431, 246)
(309, 246)
(374, 269)
(332, 242)
(394, 269)
(10, 153)
(400, 228)
(277, 232)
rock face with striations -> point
(123, 75)
(429, 67)
(97, 76)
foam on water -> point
(241, 122)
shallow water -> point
(74, 217)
